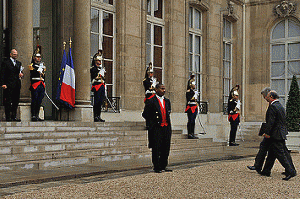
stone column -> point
(22, 40)
(81, 58)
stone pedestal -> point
(25, 113)
(82, 113)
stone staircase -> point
(109, 146)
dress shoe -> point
(101, 120)
(15, 120)
(288, 177)
(157, 171)
(192, 137)
(265, 174)
(96, 119)
(168, 170)
(251, 167)
(233, 144)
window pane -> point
(227, 52)
(157, 56)
(226, 69)
(294, 51)
(148, 53)
(109, 2)
(294, 68)
(226, 87)
(149, 7)
(278, 85)
(197, 64)
(107, 47)
(191, 62)
(158, 74)
(108, 24)
(94, 43)
(158, 8)
(191, 43)
(278, 52)
(148, 33)
(198, 86)
(227, 29)
(197, 19)
(158, 35)
(294, 28)
(95, 20)
(191, 17)
(277, 69)
(197, 45)
(278, 31)
(109, 71)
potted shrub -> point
(293, 116)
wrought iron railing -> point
(111, 104)
(225, 108)
(203, 107)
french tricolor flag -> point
(66, 81)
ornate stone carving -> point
(230, 8)
(284, 9)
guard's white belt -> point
(192, 102)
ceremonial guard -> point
(37, 87)
(149, 82)
(98, 85)
(234, 106)
(191, 107)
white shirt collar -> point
(277, 100)
(13, 60)
(161, 99)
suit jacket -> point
(9, 75)
(276, 121)
(153, 115)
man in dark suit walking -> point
(11, 74)
(276, 131)
(157, 113)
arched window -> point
(195, 45)
(285, 56)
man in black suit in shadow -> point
(11, 74)
(157, 113)
(276, 131)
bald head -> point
(14, 54)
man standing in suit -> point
(157, 112)
(11, 74)
(276, 131)
(264, 145)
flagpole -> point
(70, 42)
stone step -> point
(60, 154)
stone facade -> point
(252, 23)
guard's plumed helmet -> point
(150, 68)
(191, 81)
(38, 51)
(98, 56)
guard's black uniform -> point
(191, 110)
(234, 119)
(98, 87)
(37, 88)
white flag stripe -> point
(69, 76)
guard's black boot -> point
(193, 131)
